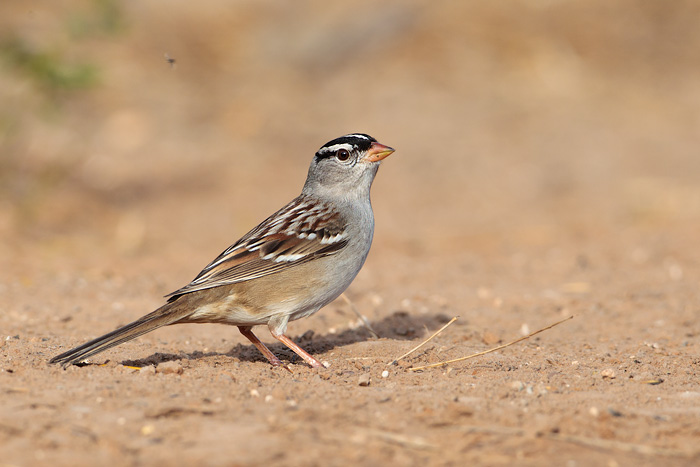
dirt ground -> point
(546, 166)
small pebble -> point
(376, 300)
(385, 374)
(171, 367)
(254, 393)
(147, 370)
(147, 430)
(608, 373)
(364, 380)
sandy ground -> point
(547, 166)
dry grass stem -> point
(364, 320)
(423, 343)
(490, 350)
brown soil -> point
(546, 166)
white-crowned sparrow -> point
(295, 262)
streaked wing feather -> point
(301, 231)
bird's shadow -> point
(400, 325)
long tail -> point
(169, 313)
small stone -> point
(376, 300)
(171, 367)
(269, 398)
(364, 379)
(594, 411)
(325, 364)
(227, 378)
(608, 373)
(148, 370)
(254, 393)
(385, 374)
(517, 385)
(147, 430)
(524, 329)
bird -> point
(291, 265)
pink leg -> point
(296, 349)
(246, 331)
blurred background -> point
(160, 132)
(547, 165)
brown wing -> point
(303, 230)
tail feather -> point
(163, 316)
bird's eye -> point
(342, 155)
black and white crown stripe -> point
(360, 135)
(350, 142)
(335, 148)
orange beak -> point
(377, 152)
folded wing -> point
(303, 230)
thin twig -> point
(423, 343)
(364, 320)
(490, 350)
